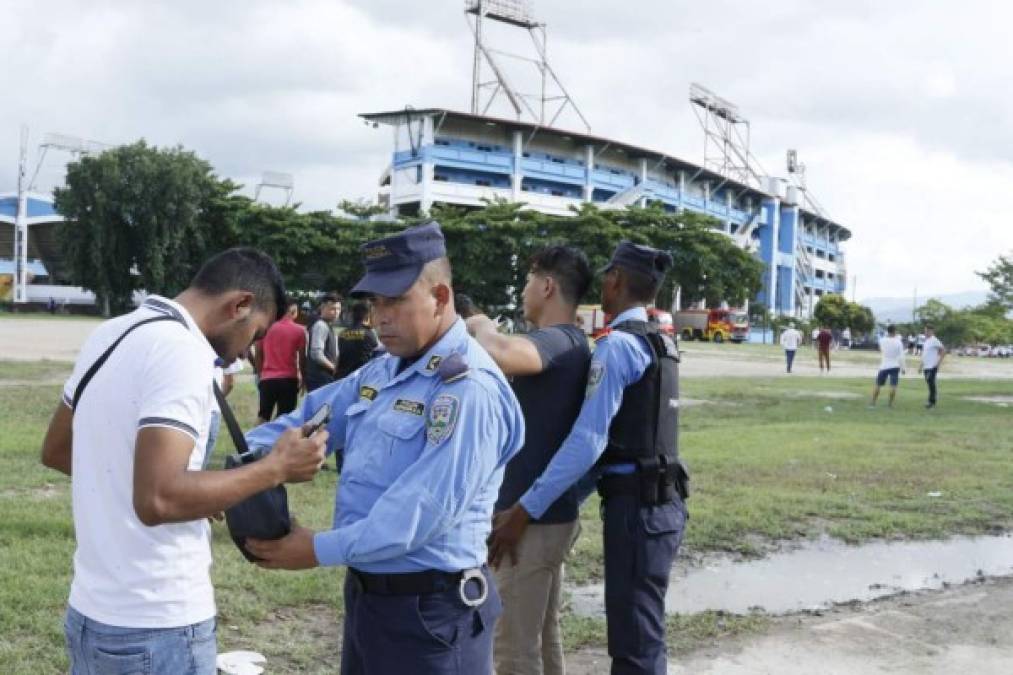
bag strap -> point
(235, 431)
(79, 391)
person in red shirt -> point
(823, 342)
(281, 359)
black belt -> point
(424, 582)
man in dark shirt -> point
(549, 375)
(356, 343)
(823, 341)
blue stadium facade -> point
(448, 157)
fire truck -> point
(594, 320)
(712, 325)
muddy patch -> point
(821, 574)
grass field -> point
(769, 463)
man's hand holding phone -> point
(299, 453)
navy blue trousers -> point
(641, 543)
(431, 634)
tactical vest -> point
(645, 430)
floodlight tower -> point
(543, 108)
(277, 180)
(60, 142)
(726, 137)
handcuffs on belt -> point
(474, 574)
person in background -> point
(791, 338)
(322, 355)
(356, 343)
(933, 353)
(891, 364)
(281, 359)
(824, 339)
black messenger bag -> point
(260, 516)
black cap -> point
(640, 258)
(394, 263)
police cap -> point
(394, 263)
(639, 258)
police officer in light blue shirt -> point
(626, 435)
(427, 430)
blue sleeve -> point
(468, 443)
(618, 362)
(339, 395)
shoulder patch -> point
(367, 392)
(410, 407)
(594, 377)
(453, 368)
(442, 418)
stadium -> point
(442, 156)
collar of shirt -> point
(631, 314)
(166, 306)
(429, 363)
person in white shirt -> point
(132, 432)
(933, 353)
(791, 338)
(891, 364)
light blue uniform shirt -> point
(619, 360)
(424, 459)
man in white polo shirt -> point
(133, 439)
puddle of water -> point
(821, 573)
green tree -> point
(860, 318)
(832, 310)
(137, 217)
(1000, 277)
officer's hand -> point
(507, 529)
(294, 551)
(298, 459)
(478, 323)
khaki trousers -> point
(528, 639)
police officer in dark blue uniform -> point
(427, 430)
(627, 434)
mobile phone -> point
(320, 418)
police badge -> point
(442, 418)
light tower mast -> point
(543, 108)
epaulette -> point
(452, 368)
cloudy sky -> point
(902, 110)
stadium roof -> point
(40, 208)
(634, 151)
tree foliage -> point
(955, 327)
(139, 217)
(143, 217)
(835, 311)
(1000, 277)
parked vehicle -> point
(714, 325)
(594, 321)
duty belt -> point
(424, 582)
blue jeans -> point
(100, 649)
(789, 355)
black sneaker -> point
(928, 406)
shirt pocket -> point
(397, 445)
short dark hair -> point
(359, 312)
(929, 326)
(330, 297)
(568, 266)
(891, 329)
(244, 269)
(640, 287)
(292, 301)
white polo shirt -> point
(126, 573)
